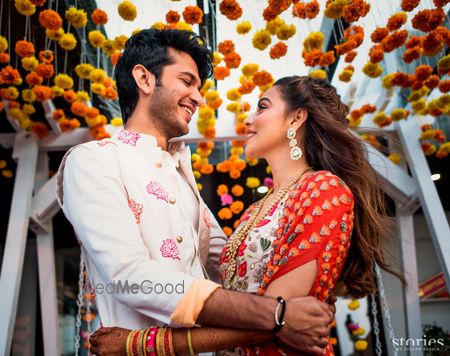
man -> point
(140, 219)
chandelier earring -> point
(296, 152)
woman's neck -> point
(284, 171)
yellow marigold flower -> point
(82, 96)
(28, 95)
(117, 121)
(354, 304)
(7, 173)
(314, 41)
(419, 105)
(268, 170)
(205, 113)
(28, 109)
(249, 69)
(237, 151)
(209, 84)
(63, 81)
(84, 70)
(359, 332)
(261, 39)
(234, 107)
(119, 42)
(272, 26)
(57, 91)
(444, 100)
(98, 88)
(445, 146)
(264, 88)
(159, 25)
(335, 9)
(25, 7)
(243, 27)
(76, 17)
(399, 114)
(67, 41)
(199, 187)
(444, 63)
(241, 117)
(195, 157)
(233, 94)
(108, 47)
(55, 35)
(386, 82)
(211, 95)
(136, 31)
(346, 76)
(17, 114)
(29, 63)
(96, 38)
(372, 70)
(2, 164)
(318, 74)
(181, 25)
(243, 79)
(395, 158)
(197, 174)
(361, 345)
(3, 44)
(284, 32)
(12, 93)
(252, 182)
(417, 94)
(217, 58)
(127, 10)
(98, 75)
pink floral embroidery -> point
(169, 249)
(136, 208)
(128, 137)
(104, 142)
(158, 191)
(206, 218)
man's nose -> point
(196, 97)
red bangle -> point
(135, 344)
(151, 338)
(166, 342)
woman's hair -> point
(330, 145)
(149, 48)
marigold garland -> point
(308, 10)
(396, 21)
(409, 5)
(427, 20)
(76, 17)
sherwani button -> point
(172, 200)
(179, 239)
(158, 165)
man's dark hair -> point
(149, 48)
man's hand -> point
(109, 342)
(307, 324)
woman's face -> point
(266, 128)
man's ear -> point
(144, 79)
(298, 118)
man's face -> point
(176, 96)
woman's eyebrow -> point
(264, 98)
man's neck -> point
(143, 127)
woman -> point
(312, 228)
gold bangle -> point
(189, 340)
(144, 342)
(128, 343)
(140, 346)
(160, 342)
(170, 337)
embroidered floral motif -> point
(105, 141)
(128, 137)
(154, 188)
(136, 208)
(206, 218)
(169, 249)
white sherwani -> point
(139, 218)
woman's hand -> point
(109, 341)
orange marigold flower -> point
(70, 96)
(396, 21)
(368, 108)
(298, 10)
(414, 41)
(115, 57)
(399, 78)
(33, 79)
(221, 73)
(246, 88)
(355, 10)
(192, 15)
(235, 173)
(376, 54)
(46, 56)
(237, 190)
(432, 82)
(327, 59)
(432, 42)
(40, 129)
(43, 92)
(38, 2)
(236, 207)
(210, 132)
(225, 47)
(13, 104)
(99, 17)
(223, 167)
(262, 78)
(444, 86)
(379, 34)
(232, 60)
(395, 40)
(9, 75)
(409, 5)
(50, 20)
(24, 48)
(411, 54)
(240, 129)
(427, 20)
(346, 47)
(423, 72)
(275, 8)
(230, 9)
(440, 3)
(278, 50)
(91, 113)
(4, 57)
(45, 70)
(78, 108)
(225, 214)
(350, 56)
(312, 9)
(312, 58)
(58, 114)
(222, 189)
(172, 17)
(207, 169)
(110, 93)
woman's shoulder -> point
(324, 180)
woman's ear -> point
(145, 80)
(298, 118)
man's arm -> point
(217, 242)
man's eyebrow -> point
(193, 77)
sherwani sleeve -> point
(217, 242)
(95, 202)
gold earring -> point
(296, 152)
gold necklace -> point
(235, 242)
